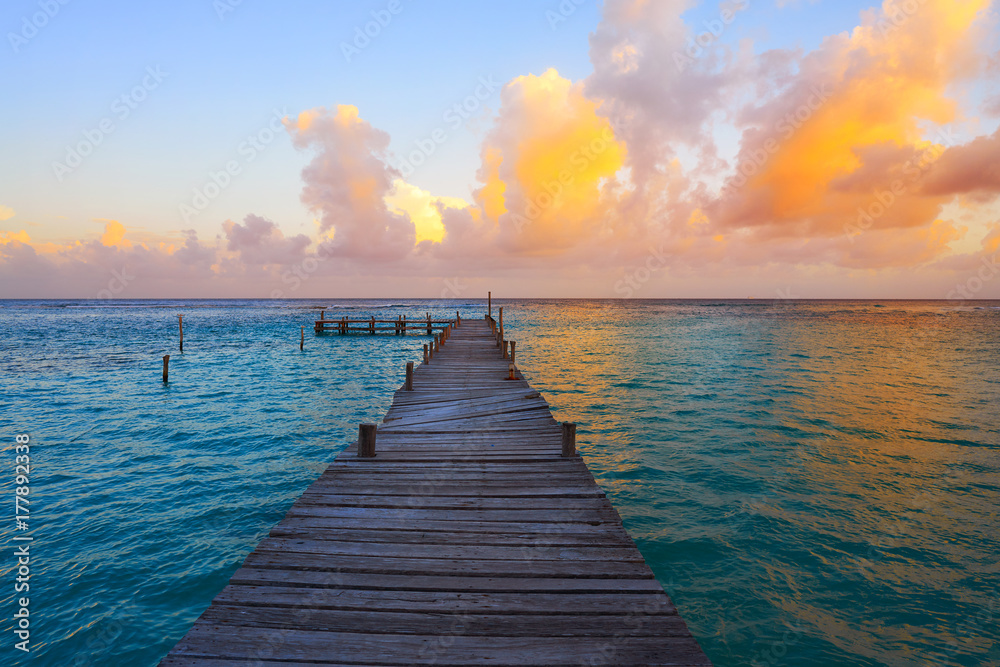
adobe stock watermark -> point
(363, 35)
(897, 14)
(453, 288)
(883, 200)
(988, 270)
(454, 117)
(117, 284)
(255, 144)
(633, 281)
(786, 126)
(122, 107)
(562, 12)
(714, 29)
(301, 272)
(223, 7)
(31, 25)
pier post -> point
(409, 376)
(321, 314)
(404, 326)
(166, 366)
(302, 339)
(429, 330)
(500, 323)
(512, 344)
(343, 325)
(426, 358)
(458, 319)
(371, 325)
(180, 325)
(503, 350)
(568, 439)
(489, 304)
(366, 441)
(510, 372)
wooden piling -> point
(371, 325)
(489, 304)
(321, 314)
(302, 340)
(512, 344)
(409, 376)
(426, 357)
(180, 325)
(568, 439)
(429, 330)
(366, 441)
(500, 323)
(166, 366)
(510, 372)
(458, 319)
(503, 350)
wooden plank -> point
(468, 539)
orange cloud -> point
(545, 163)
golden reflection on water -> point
(813, 457)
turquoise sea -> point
(815, 483)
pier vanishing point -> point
(474, 536)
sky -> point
(773, 149)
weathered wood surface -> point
(467, 540)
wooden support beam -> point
(503, 351)
(429, 330)
(512, 344)
(166, 366)
(426, 358)
(458, 319)
(568, 439)
(366, 441)
(302, 339)
(409, 376)
(489, 304)
(180, 324)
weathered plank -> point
(467, 539)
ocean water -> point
(815, 483)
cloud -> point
(546, 164)
(6, 213)
(347, 182)
(259, 241)
(971, 168)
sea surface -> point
(814, 483)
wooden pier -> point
(399, 326)
(473, 536)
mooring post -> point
(501, 321)
(503, 350)
(409, 376)
(489, 304)
(180, 324)
(366, 441)
(343, 325)
(568, 439)
(458, 319)
(426, 358)
(512, 344)
(371, 325)
(321, 314)
(404, 325)
(166, 366)
(302, 339)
